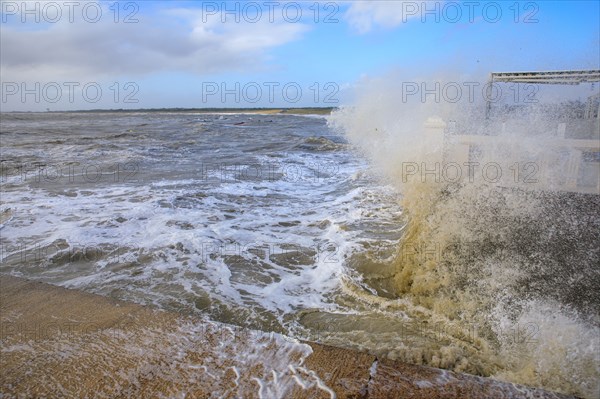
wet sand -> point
(67, 343)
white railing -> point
(561, 164)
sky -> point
(68, 55)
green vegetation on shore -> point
(272, 111)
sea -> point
(308, 226)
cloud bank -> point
(365, 15)
(174, 39)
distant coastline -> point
(269, 111)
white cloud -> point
(175, 40)
(364, 15)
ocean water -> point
(305, 225)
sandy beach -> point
(62, 341)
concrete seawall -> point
(57, 342)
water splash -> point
(493, 239)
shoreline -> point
(259, 111)
(55, 339)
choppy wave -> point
(281, 224)
(513, 266)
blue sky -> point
(186, 54)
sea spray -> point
(502, 247)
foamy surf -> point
(496, 256)
(292, 229)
